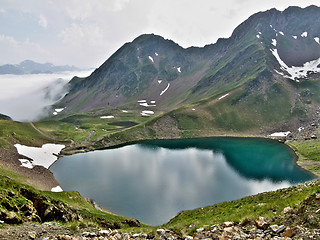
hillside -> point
(264, 78)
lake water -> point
(152, 181)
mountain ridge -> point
(130, 74)
(31, 67)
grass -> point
(13, 200)
(308, 151)
(12, 132)
(89, 126)
(268, 204)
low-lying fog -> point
(28, 97)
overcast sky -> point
(85, 33)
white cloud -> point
(85, 33)
(43, 21)
(13, 51)
(119, 5)
(2, 10)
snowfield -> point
(223, 96)
(57, 189)
(44, 156)
(147, 113)
(280, 134)
(297, 72)
(107, 117)
(165, 89)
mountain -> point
(31, 67)
(266, 75)
(5, 117)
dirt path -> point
(42, 133)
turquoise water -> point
(152, 181)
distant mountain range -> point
(31, 67)
(266, 75)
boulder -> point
(262, 223)
(12, 218)
(132, 222)
(228, 224)
(287, 210)
(161, 231)
(32, 235)
(289, 233)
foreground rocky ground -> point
(302, 222)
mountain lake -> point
(153, 180)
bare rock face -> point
(166, 127)
(26, 205)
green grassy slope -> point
(268, 204)
(20, 203)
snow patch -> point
(281, 73)
(147, 105)
(165, 89)
(260, 33)
(147, 113)
(280, 134)
(159, 81)
(44, 156)
(304, 34)
(156, 54)
(179, 69)
(223, 96)
(107, 117)
(274, 42)
(141, 101)
(151, 59)
(193, 109)
(59, 110)
(26, 163)
(300, 129)
(295, 37)
(281, 33)
(56, 189)
(297, 72)
(258, 36)
(153, 102)
(317, 40)
(125, 111)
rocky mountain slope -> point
(263, 60)
(264, 79)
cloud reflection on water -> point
(154, 184)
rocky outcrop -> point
(26, 206)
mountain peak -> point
(153, 67)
